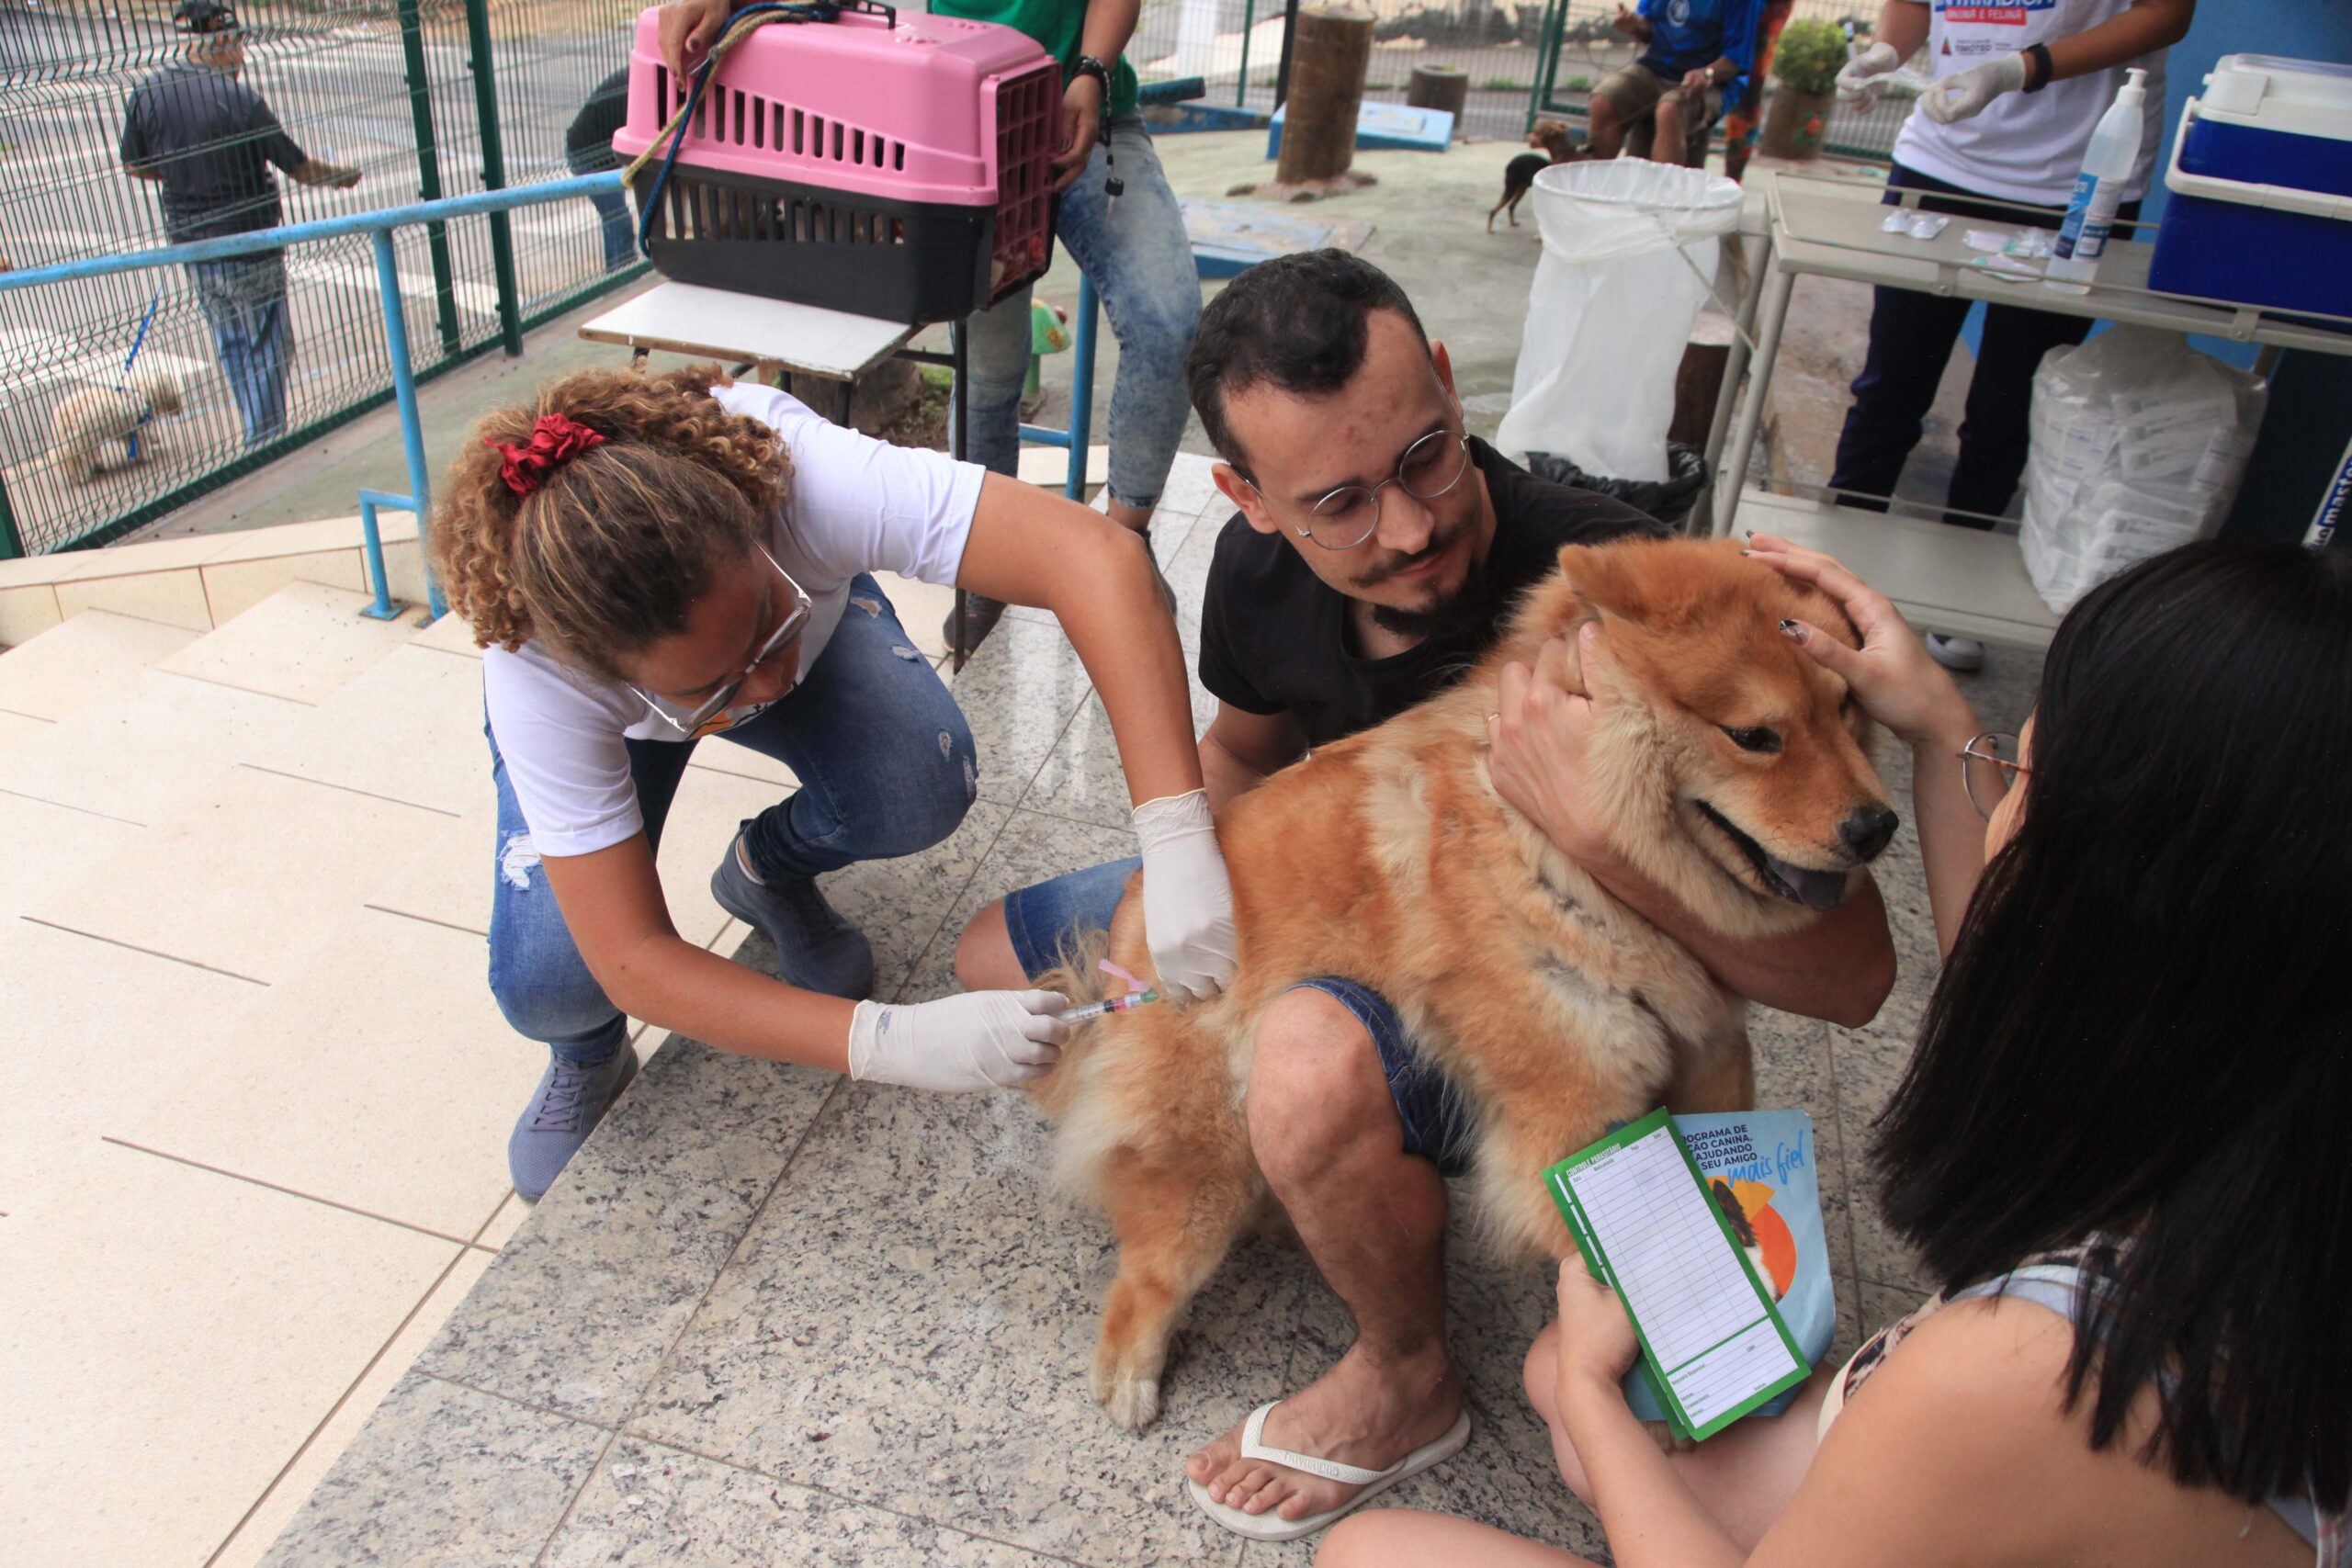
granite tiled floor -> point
(770, 1316)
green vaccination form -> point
(1714, 1345)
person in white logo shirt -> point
(2019, 88)
(651, 560)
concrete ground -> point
(1427, 217)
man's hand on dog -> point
(1536, 737)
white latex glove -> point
(1855, 84)
(979, 1039)
(1187, 896)
(1963, 96)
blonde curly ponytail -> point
(608, 554)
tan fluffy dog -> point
(99, 429)
(1724, 763)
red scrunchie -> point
(555, 440)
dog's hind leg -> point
(1174, 1227)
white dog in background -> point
(99, 429)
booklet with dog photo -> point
(1763, 1171)
(1712, 1342)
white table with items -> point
(1956, 579)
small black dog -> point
(1552, 136)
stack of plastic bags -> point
(2138, 444)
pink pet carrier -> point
(853, 158)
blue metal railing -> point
(379, 225)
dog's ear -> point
(1594, 573)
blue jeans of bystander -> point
(244, 300)
(1141, 264)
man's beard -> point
(1446, 619)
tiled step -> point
(78, 661)
(176, 1335)
(147, 750)
(247, 878)
(301, 643)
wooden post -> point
(1443, 87)
(1325, 90)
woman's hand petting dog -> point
(1595, 1342)
(1891, 674)
(1536, 738)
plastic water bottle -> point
(2098, 189)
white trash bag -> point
(2138, 444)
(1612, 308)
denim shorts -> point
(1041, 920)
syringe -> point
(1102, 1008)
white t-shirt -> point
(856, 504)
(2024, 146)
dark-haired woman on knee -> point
(2118, 1147)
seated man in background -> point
(1377, 550)
(1699, 56)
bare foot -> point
(1359, 1412)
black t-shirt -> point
(1275, 636)
(212, 139)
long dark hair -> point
(2143, 1031)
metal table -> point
(1830, 229)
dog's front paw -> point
(1132, 1398)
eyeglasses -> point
(693, 726)
(1988, 766)
(1349, 515)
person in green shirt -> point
(1118, 221)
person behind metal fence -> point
(2018, 91)
(652, 560)
(208, 141)
(588, 149)
(1132, 246)
(1696, 56)
(2116, 1148)
(1375, 550)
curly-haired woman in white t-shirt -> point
(649, 560)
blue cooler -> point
(2261, 183)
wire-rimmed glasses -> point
(690, 725)
(1346, 517)
(1989, 764)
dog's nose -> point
(1866, 831)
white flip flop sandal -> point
(1270, 1526)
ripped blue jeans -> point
(887, 768)
(1142, 266)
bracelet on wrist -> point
(2038, 67)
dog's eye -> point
(1768, 742)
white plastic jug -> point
(1630, 249)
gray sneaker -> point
(1964, 654)
(569, 1103)
(815, 948)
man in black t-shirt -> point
(1375, 551)
(210, 140)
